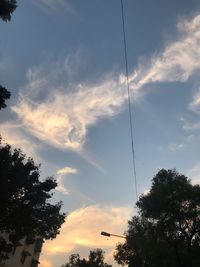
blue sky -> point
(63, 61)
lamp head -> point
(105, 234)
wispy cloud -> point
(13, 134)
(61, 174)
(195, 103)
(178, 62)
(175, 147)
(190, 125)
(194, 174)
(185, 142)
(54, 5)
(82, 230)
(179, 59)
(66, 170)
(63, 117)
(45, 263)
(146, 192)
(61, 114)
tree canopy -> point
(166, 231)
(7, 7)
(4, 95)
(95, 259)
(26, 209)
(25, 199)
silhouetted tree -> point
(143, 246)
(7, 7)
(25, 205)
(95, 259)
(167, 230)
(4, 95)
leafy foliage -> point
(4, 94)
(167, 230)
(7, 7)
(143, 246)
(25, 200)
(95, 259)
(5, 248)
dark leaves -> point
(7, 7)
(167, 230)
(24, 198)
(4, 93)
(95, 259)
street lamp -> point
(108, 235)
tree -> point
(168, 225)
(95, 259)
(25, 199)
(4, 95)
(143, 245)
(7, 7)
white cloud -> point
(46, 263)
(61, 173)
(13, 134)
(66, 170)
(62, 118)
(195, 103)
(175, 147)
(194, 174)
(54, 5)
(178, 61)
(187, 141)
(82, 230)
(190, 125)
(146, 192)
(61, 114)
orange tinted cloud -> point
(82, 230)
(45, 263)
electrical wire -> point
(129, 101)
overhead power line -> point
(129, 101)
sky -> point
(63, 62)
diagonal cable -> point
(129, 101)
